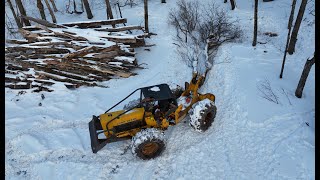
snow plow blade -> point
(94, 126)
(97, 144)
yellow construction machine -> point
(156, 109)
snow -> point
(125, 58)
(250, 138)
(155, 88)
(182, 100)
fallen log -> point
(89, 24)
(32, 50)
(43, 22)
(118, 29)
(80, 53)
(110, 54)
(121, 39)
(16, 41)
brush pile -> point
(76, 54)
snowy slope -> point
(251, 137)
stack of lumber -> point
(76, 54)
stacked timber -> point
(76, 54)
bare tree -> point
(288, 35)
(41, 9)
(53, 17)
(255, 30)
(54, 6)
(304, 76)
(22, 12)
(296, 27)
(19, 24)
(233, 4)
(146, 25)
(206, 26)
(185, 18)
(87, 8)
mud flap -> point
(96, 144)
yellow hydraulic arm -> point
(192, 89)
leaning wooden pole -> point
(51, 12)
(109, 10)
(146, 26)
(288, 36)
(41, 9)
(22, 12)
(294, 35)
(54, 6)
(19, 24)
(87, 8)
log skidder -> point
(145, 119)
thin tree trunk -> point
(296, 27)
(54, 6)
(109, 10)
(88, 10)
(233, 4)
(41, 9)
(225, 1)
(288, 35)
(146, 26)
(304, 76)
(255, 29)
(51, 12)
(19, 24)
(22, 12)
(163, 1)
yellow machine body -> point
(121, 124)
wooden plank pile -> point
(76, 54)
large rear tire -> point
(148, 143)
(202, 115)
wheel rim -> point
(150, 148)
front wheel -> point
(202, 115)
(148, 143)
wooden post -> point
(88, 10)
(255, 31)
(146, 26)
(304, 76)
(19, 24)
(50, 11)
(41, 9)
(22, 12)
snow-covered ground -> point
(251, 137)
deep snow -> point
(251, 137)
